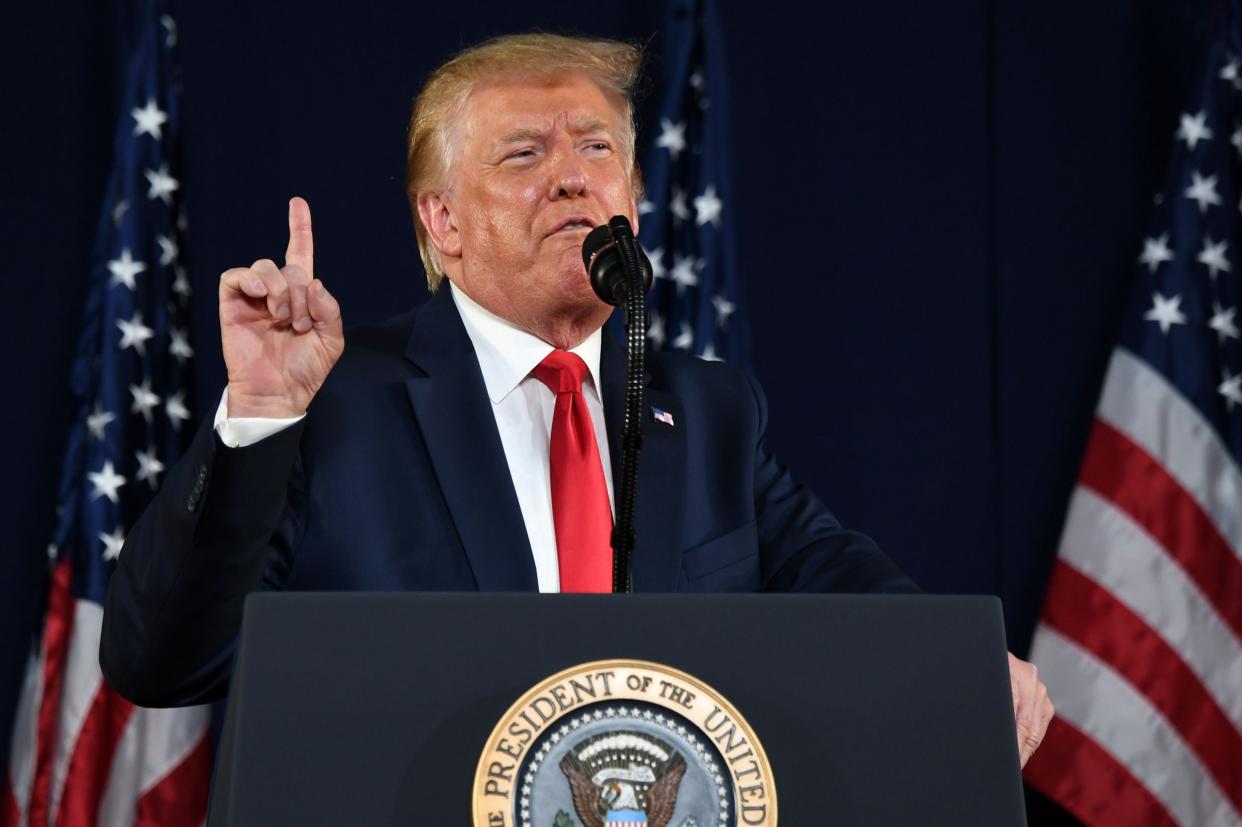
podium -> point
(817, 710)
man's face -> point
(537, 163)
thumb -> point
(301, 250)
(324, 308)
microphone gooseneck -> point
(621, 275)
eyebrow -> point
(529, 133)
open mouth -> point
(574, 224)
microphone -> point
(604, 252)
(621, 276)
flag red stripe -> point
(93, 753)
(179, 799)
(1075, 771)
(1126, 475)
(9, 812)
(1092, 617)
(57, 629)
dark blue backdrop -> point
(941, 204)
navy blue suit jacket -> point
(396, 479)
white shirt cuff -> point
(240, 431)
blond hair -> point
(612, 65)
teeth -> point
(574, 225)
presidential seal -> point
(621, 743)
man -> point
(468, 444)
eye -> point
(597, 147)
(523, 154)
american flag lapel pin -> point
(661, 415)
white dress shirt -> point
(523, 407)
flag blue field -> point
(687, 223)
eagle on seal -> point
(593, 802)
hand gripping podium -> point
(520, 710)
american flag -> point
(82, 755)
(686, 221)
(1140, 641)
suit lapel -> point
(656, 562)
(454, 413)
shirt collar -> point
(507, 354)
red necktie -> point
(580, 510)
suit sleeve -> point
(223, 525)
(803, 548)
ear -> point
(441, 224)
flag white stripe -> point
(23, 742)
(1103, 543)
(154, 743)
(1099, 702)
(81, 683)
(1142, 404)
(169, 736)
(119, 802)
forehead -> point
(497, 107)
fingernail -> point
(282, 312)
(303, 324)
(256, 285)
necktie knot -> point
(561, 371)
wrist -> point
(242, 405)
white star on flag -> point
(655, 330)
(1155, 250)
(176, 409)
(685, 339)
(1203, 191)
(98, 420)
(709, 353)
(683, 272)
(168, 249)
(677, 206)
(162, 184)
(645, 207)
(672, 137)
(112, 543)
(1231, 389)
(707, 207)
(134, 332)
(170, 26)
(181, 285)
(118, 212)
(724, 309)
(1165, 312)
(124, 269)
(1213, 256)
(1193, 129)
(1236, 140)
(149, 120)
(149, 467)
(179, 345)
(144, 399)
(105, 482)
(656, 257)
(1222, 322)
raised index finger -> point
(301, 249)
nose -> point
(569, 178)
